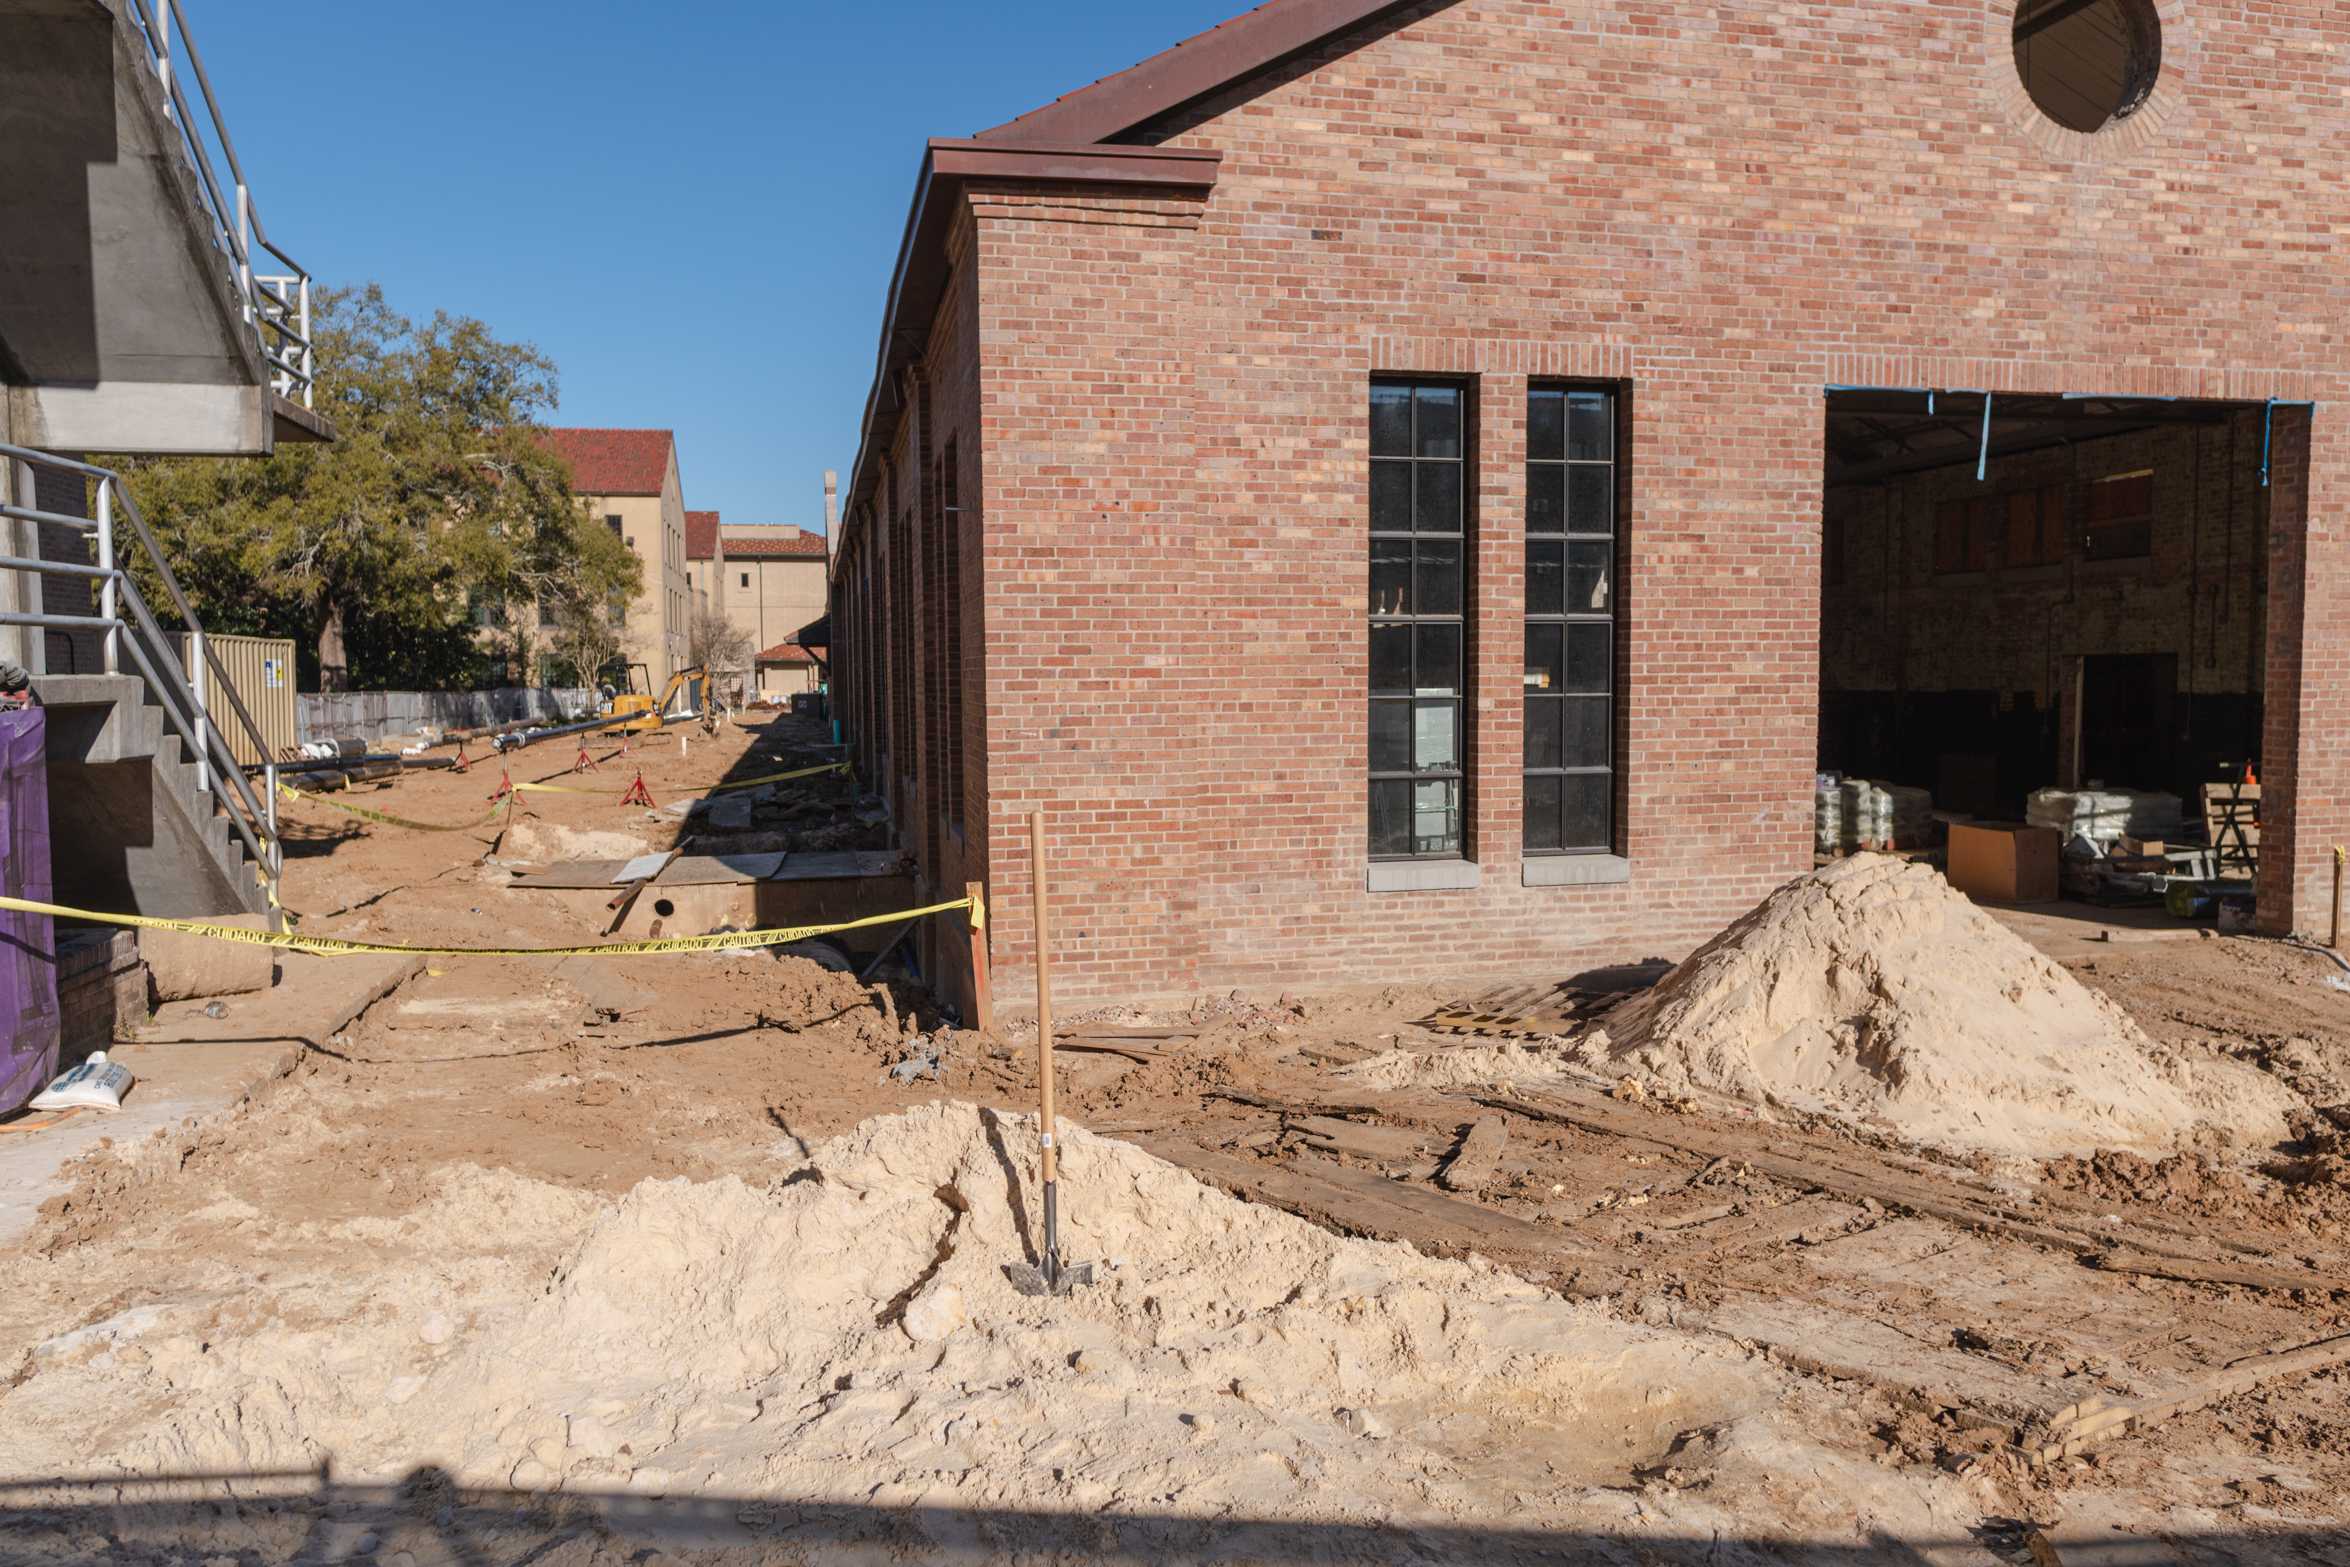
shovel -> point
(1049, 1275)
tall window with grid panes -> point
(1420, 432)
(1571, 568)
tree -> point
(587, 639)
(374, 550)
(717, 643)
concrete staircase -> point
(129, 827)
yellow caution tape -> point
(385, 817)
(768, 778)
(335, 947)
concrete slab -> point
(191, 1065)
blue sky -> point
(692, 207)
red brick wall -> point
(1727, 208)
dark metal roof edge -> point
(918, 279)
(1230, 52)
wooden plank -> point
(2191, 1271)
(836, 865)
(718, 870)
(571, 875)
(982, 986)
(1471, 1166)
(643, 868)
(1924, 1196)
(2085, 1425)
(1383, 1144)
(1354, 1202)
(1825, 1341)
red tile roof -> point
(1227, 53)
(701, 532)
(787, 653)
(613, 462)
(780, 544)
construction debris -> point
(1471, 1165)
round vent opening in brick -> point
(2088, 63)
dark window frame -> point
(1398, 615)
(1552, 535)
(2120, 535)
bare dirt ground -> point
(1983, 1360)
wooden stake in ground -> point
(1052, 1276)
(2334, 938)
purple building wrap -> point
(28, 946)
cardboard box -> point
(2144, 848)
(2004, 863)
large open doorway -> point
(2027, 593)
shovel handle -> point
(1044, 997)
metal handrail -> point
(236, 227)
(126, 622)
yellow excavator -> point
(639, 711)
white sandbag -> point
(97, 1084)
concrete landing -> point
(190, 1065)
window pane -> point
(1545, 583)
(1544, 654)
(1440, 421)
(1391, 659)
(1542, 731)
(1440, 658)
(1440, 497)
(1588, 649)
(1591, 502)
(1588, 564)
(1588, 799)
(1542, 812)
(1391, 497)
(1591, 434)
(1391, 737)
(1391, 421)
(1391, 816)
(1391, 576)
(1546, 498)
(1546, 424)
(1586, 726)
(1436, 817)
(1436, 736)
(1439, 574)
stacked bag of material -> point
(1827, 813)
(1858, 813)
(2093, 819)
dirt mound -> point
(845, 1339)
(1872, 989)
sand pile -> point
(830, 1350)
(1469, 1066)
(1872, 989)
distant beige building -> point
(769, 580)
(629, 480)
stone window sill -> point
(1577, 870)
(1421, 875)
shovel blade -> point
(1030, 1279)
